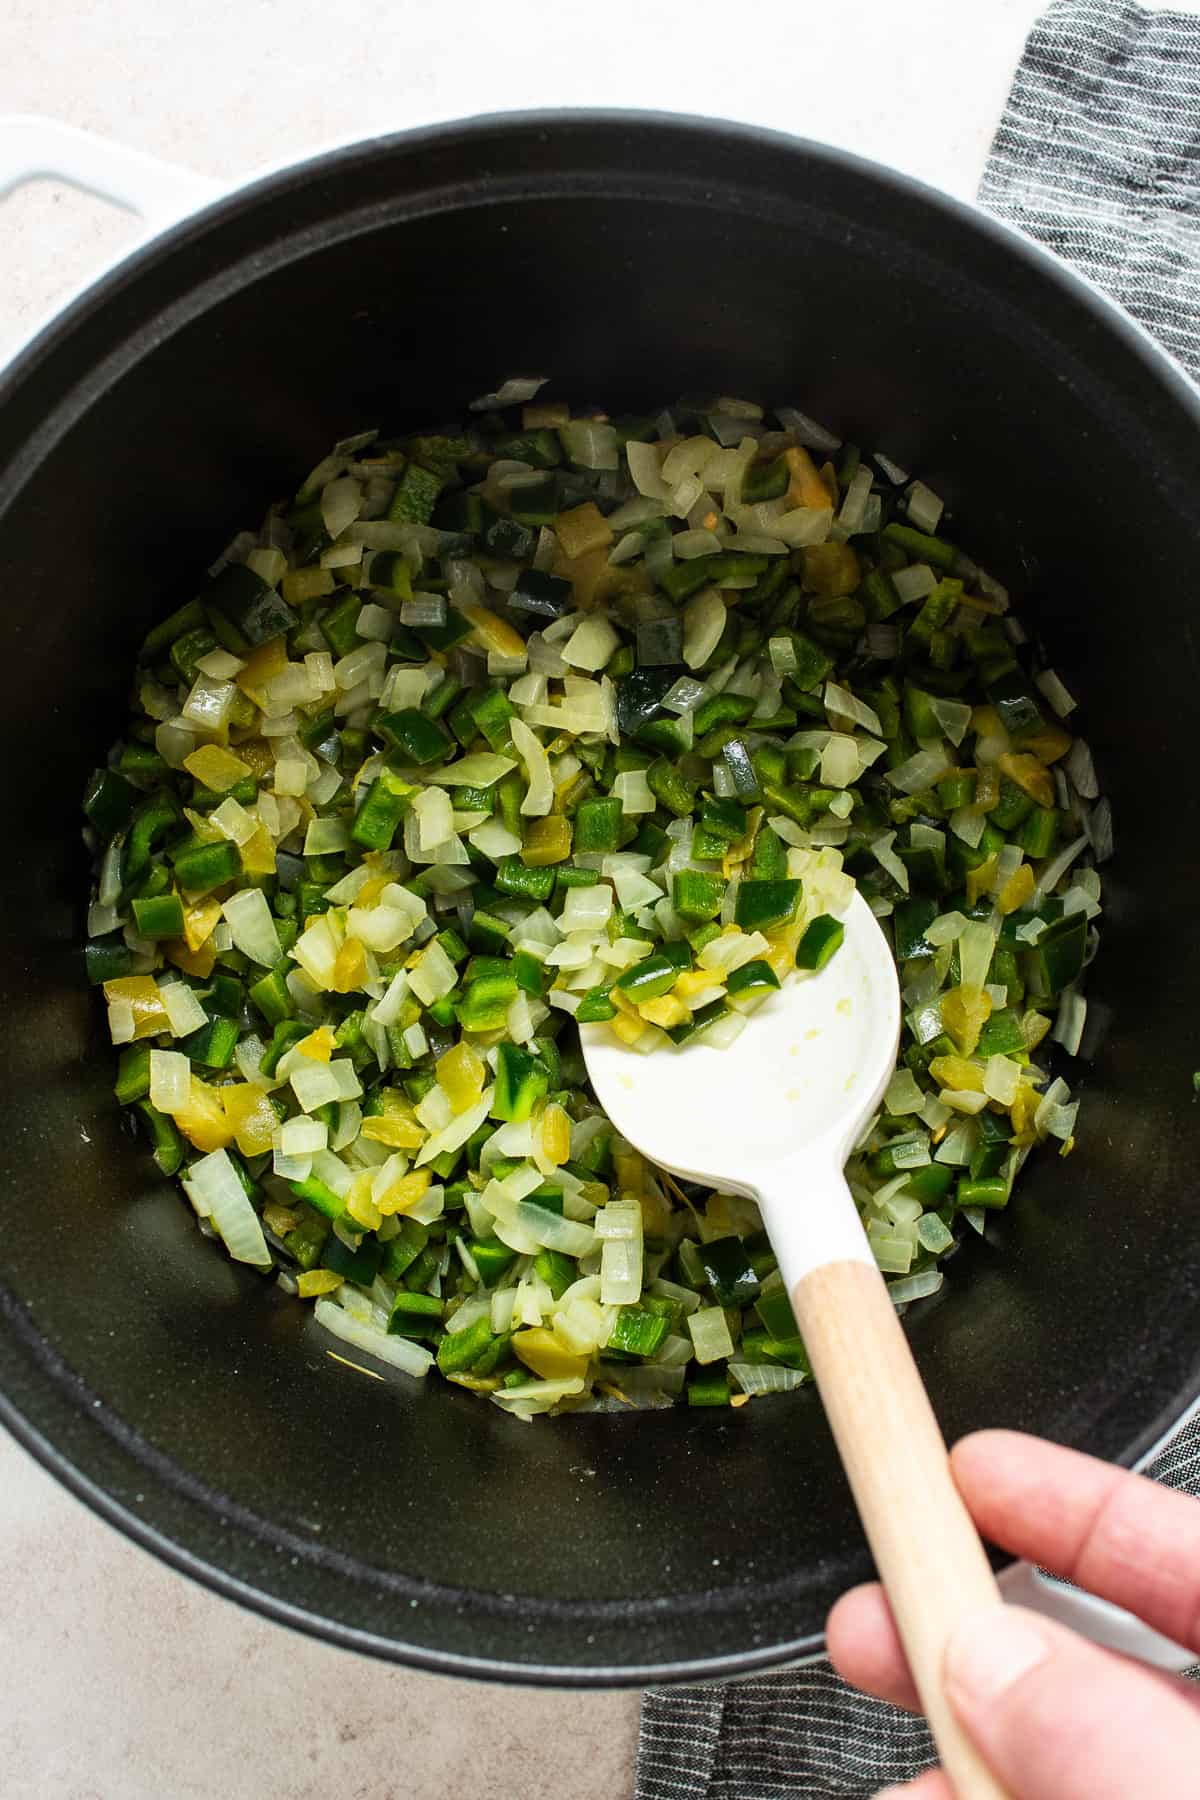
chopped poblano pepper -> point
(448, 760)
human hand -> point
(1056, 1718)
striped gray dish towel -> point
(1098, 156)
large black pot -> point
(633, 257)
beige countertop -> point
(123, 1680)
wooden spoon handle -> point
(925, 1545)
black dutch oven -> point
(632, 257)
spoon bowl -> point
(775, 1115)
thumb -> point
(1059, 1719)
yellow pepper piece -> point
(349, 968)
(1036, 1027)
(192, 962)
(259, 756)
(595, 581)
(141, 991)
(805, 487)
(1048, 743)
(831, 569)
(546, 415)
(965, 1012)
(250, 1116)
(541, 1351)
(781, 957)
(262, 664)
(404, 1194)
(987, 787)
(216, 768)
(979, 881)
(279, 1219)
(360, 1205)
(493, 632)
(1021, 1113)
(258, 853)
(986, 722)
(556, 1136)
(1031, 776)
(666, 1011)
(460, 1074)
(203, 1119)
(957, 1072)
(629, 1167)
(1016, 890)
(547, 841)
(319, 1045)
(581, 529)
(628, 1029)
(695, 981)
(371, 890)
(316, 1281)
(393, 1130)
(200, 921)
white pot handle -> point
(32, 148)
(1023, 1585)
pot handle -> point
(32, 148)
(1024, 1585)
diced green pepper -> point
(415, 1315)
(202, 867)
(821, 941)
(413, 737)
(696, 896)
(761, 905)
(387, 801)
(108, 801)
(159, 918)
(752, 978)
(729, 1271)
(522, 1079)
(638, 1332)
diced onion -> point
(766, 1378)
(170, 1080)
(183, 1009)
(590, 644)
(914, 582)
(401, 1352)
(633, 791)
(516, 391)
(213, 1186)
(1059, 697)
(904, 1093)
(708, 1329)
(254, 934)
(920, 771)
(540, 795)
(703, 626)
(842, 702)
(314, 1084)
(924, 507)
(954, 717)
(885, 856)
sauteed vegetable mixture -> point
(555, 718)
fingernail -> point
(990, 1651)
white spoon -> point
(775, 1117)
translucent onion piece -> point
(401, 1352)
(213, 1184)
